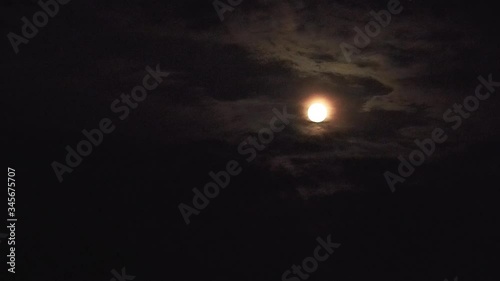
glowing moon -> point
(317, 112)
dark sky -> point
(120, 206)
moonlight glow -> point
(317, 112)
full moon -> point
(317, 112)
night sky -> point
(226, 92)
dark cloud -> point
(226, 79)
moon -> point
(317, 112)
